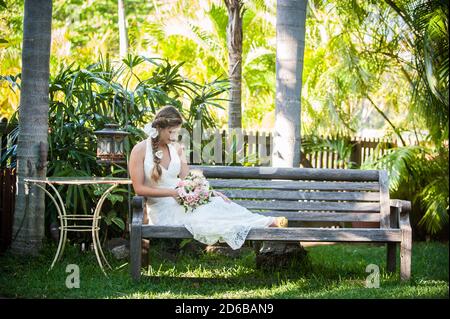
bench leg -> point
(135, 252)
(405, 255)
(136, 237)
(402, 209)
(391, 257)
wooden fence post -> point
(356, 152)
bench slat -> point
(326, 217)
(295, 195)
(295, 205)
(277, 184)
(290, 234)
(330, 174)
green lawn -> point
(333, 271)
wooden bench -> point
(343, 196)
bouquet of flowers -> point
(193, 191)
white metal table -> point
(64, 217)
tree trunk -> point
(291, 20)
(33, 125)
(234, 42)
(123, 33)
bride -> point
(159, 162)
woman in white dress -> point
(159, 162)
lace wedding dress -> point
(216, 221)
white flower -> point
(150, 131)
(159, 154)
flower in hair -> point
(150, 131)
(159, 154)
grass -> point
(333, 271)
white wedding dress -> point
(216, 221)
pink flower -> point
(193, 191)
(181, 192)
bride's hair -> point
(168, 116)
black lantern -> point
(110, 145)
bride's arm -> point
(184, 163)
(136, 169)
(185, 169)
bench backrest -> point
(306, 194)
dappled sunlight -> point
(335, 271)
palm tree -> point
(33, 124)
(234, 41)
(197, 35)
(427, 21)
(291, 20)
(422, 171)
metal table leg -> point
(63, 223)
(62, 232)
(95, 237)
(64, 227)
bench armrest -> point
(403, 209)
(404, 205)
(138, 210)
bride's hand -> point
(226, 199)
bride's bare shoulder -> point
(139, 148)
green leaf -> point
(115, 198)
(119, 222)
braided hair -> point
(168, 116)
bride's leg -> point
(145, 218)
